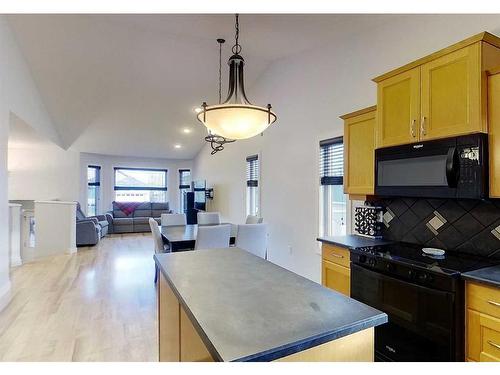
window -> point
(184, 187)
(332, 198)
(253, 185)
(93, 189)
(140, 185)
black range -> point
(423, 296)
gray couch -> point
(138, 221)
(90, 229)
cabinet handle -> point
(422, 126)
(493, 344)
(336, 255)
(412, 128)
(494, 303)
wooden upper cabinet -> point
(442, 95)
(359, 151)
(398, 103)
(494, 131)
(451, 96)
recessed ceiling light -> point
(186, 130)
(197, 109)
(177, 146)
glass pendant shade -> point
(237, 121)
(236, 118)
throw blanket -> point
(128, 207)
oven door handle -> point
(452, 167)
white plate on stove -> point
(433, 251)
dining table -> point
(183, 237)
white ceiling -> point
(127, 84)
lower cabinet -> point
(483, 323)
(335, 269)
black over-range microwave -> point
(454, 167)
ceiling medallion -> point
(236, 118)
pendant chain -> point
(220, 72)
(237, 48)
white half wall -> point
(108, 163)
(18, 95)
(308, 93)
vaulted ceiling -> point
(127, 84)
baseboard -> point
(16, 262)
(5, 295)
(71, 250)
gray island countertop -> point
(246, 308)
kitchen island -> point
(229, 305)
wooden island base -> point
(180, 342)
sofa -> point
(90, 229)
(138, 220)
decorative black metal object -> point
(217, 142)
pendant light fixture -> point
(236, 118)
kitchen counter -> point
(488, 275)
(352, 241)
(244, 308)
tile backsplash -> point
(468, 226)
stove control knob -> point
(362, 258)
(411, 274)
(423, 276)
(390, 267)
(372, 262)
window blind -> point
(94, 175)
(331, 161)
(184, 178)
(253, 170)
(140, 179)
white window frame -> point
(257, 189)
(99, 190)
(323, 195)
(182, 189)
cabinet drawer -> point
(335, 254)
(336, 277)
(483, 337)
(483, 298)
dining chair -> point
(158, 241)
(213, 237)
(208, 218)
(168, 220)
(253, 219)
(253, 238)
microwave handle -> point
(452, 167)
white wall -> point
(19, 95)
(108, 163)
(44, 173)
(308, 93)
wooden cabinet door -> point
(483, 337)
(336, 277)
(494, 133)
(451, 90)
(398, 109)
(359, 154)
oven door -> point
(427, 169)
(421, 320)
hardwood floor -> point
(96, 305)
